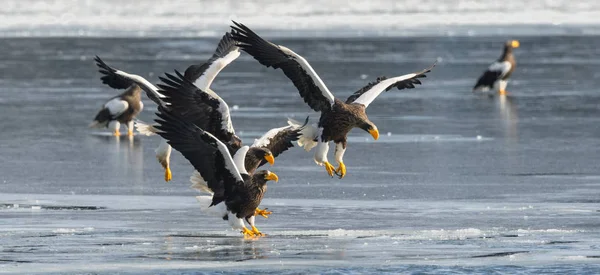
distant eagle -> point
(236, 194)
(337, 117)
(120, 109)
(495, 78)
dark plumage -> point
(117, 81)
(496, 76)
(241, 193)
(337, 118)
(207, 112)
(203, 109)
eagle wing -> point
(203, 75)
(209, 156)
(367, 94)
(295, 67)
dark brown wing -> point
(208, 155)
(311, 87)
(117, 81)
(204, 109)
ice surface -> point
(430, 198)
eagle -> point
(120, 109)
(337, 117)
(202, 106)
(235, 193)
(495, 78)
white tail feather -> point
(145, 128)
(199, 183)
(309, 134)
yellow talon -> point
(116, 133)
(247, 232)
(168, 175)
(256, 232)
(502, 92)
(130, 133)
(330, 169)
(262, 212)
(341, 171)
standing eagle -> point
(337, 117)
(496, 76)
(236, 194)
(120, 109)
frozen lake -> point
(456, 184)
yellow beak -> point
(515, 44)
(375, 133)
(269, 158)
(272, 176)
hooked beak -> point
(515, 44)
(375, 133)
(269, 158)
(272, 176)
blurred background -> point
(110, 18)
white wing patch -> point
(239, 159)
(116, 106)
(145, 84)
(502, 67)
(229, 164)
(210, 74)
(311, 72)
(265, 140)
(367, 97)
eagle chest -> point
(513, 64)
(338, 122)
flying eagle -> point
(235, 193)
(202, 76)
(337, 117)
(120, 109)
(495, 78)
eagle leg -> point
(341, 171)
(262, 212)
(168, 175)
(330, 169)
(130, 132)
(116, 133)
(256, 232)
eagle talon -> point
(117, 133)
(168, 175)
(502, 92)
(256, 232)
(330, 169)
(248, 233)
(341, 171)
(130, 133)
(262, 212)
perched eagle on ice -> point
(337, 117)
(495, 78)
(120, 109)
